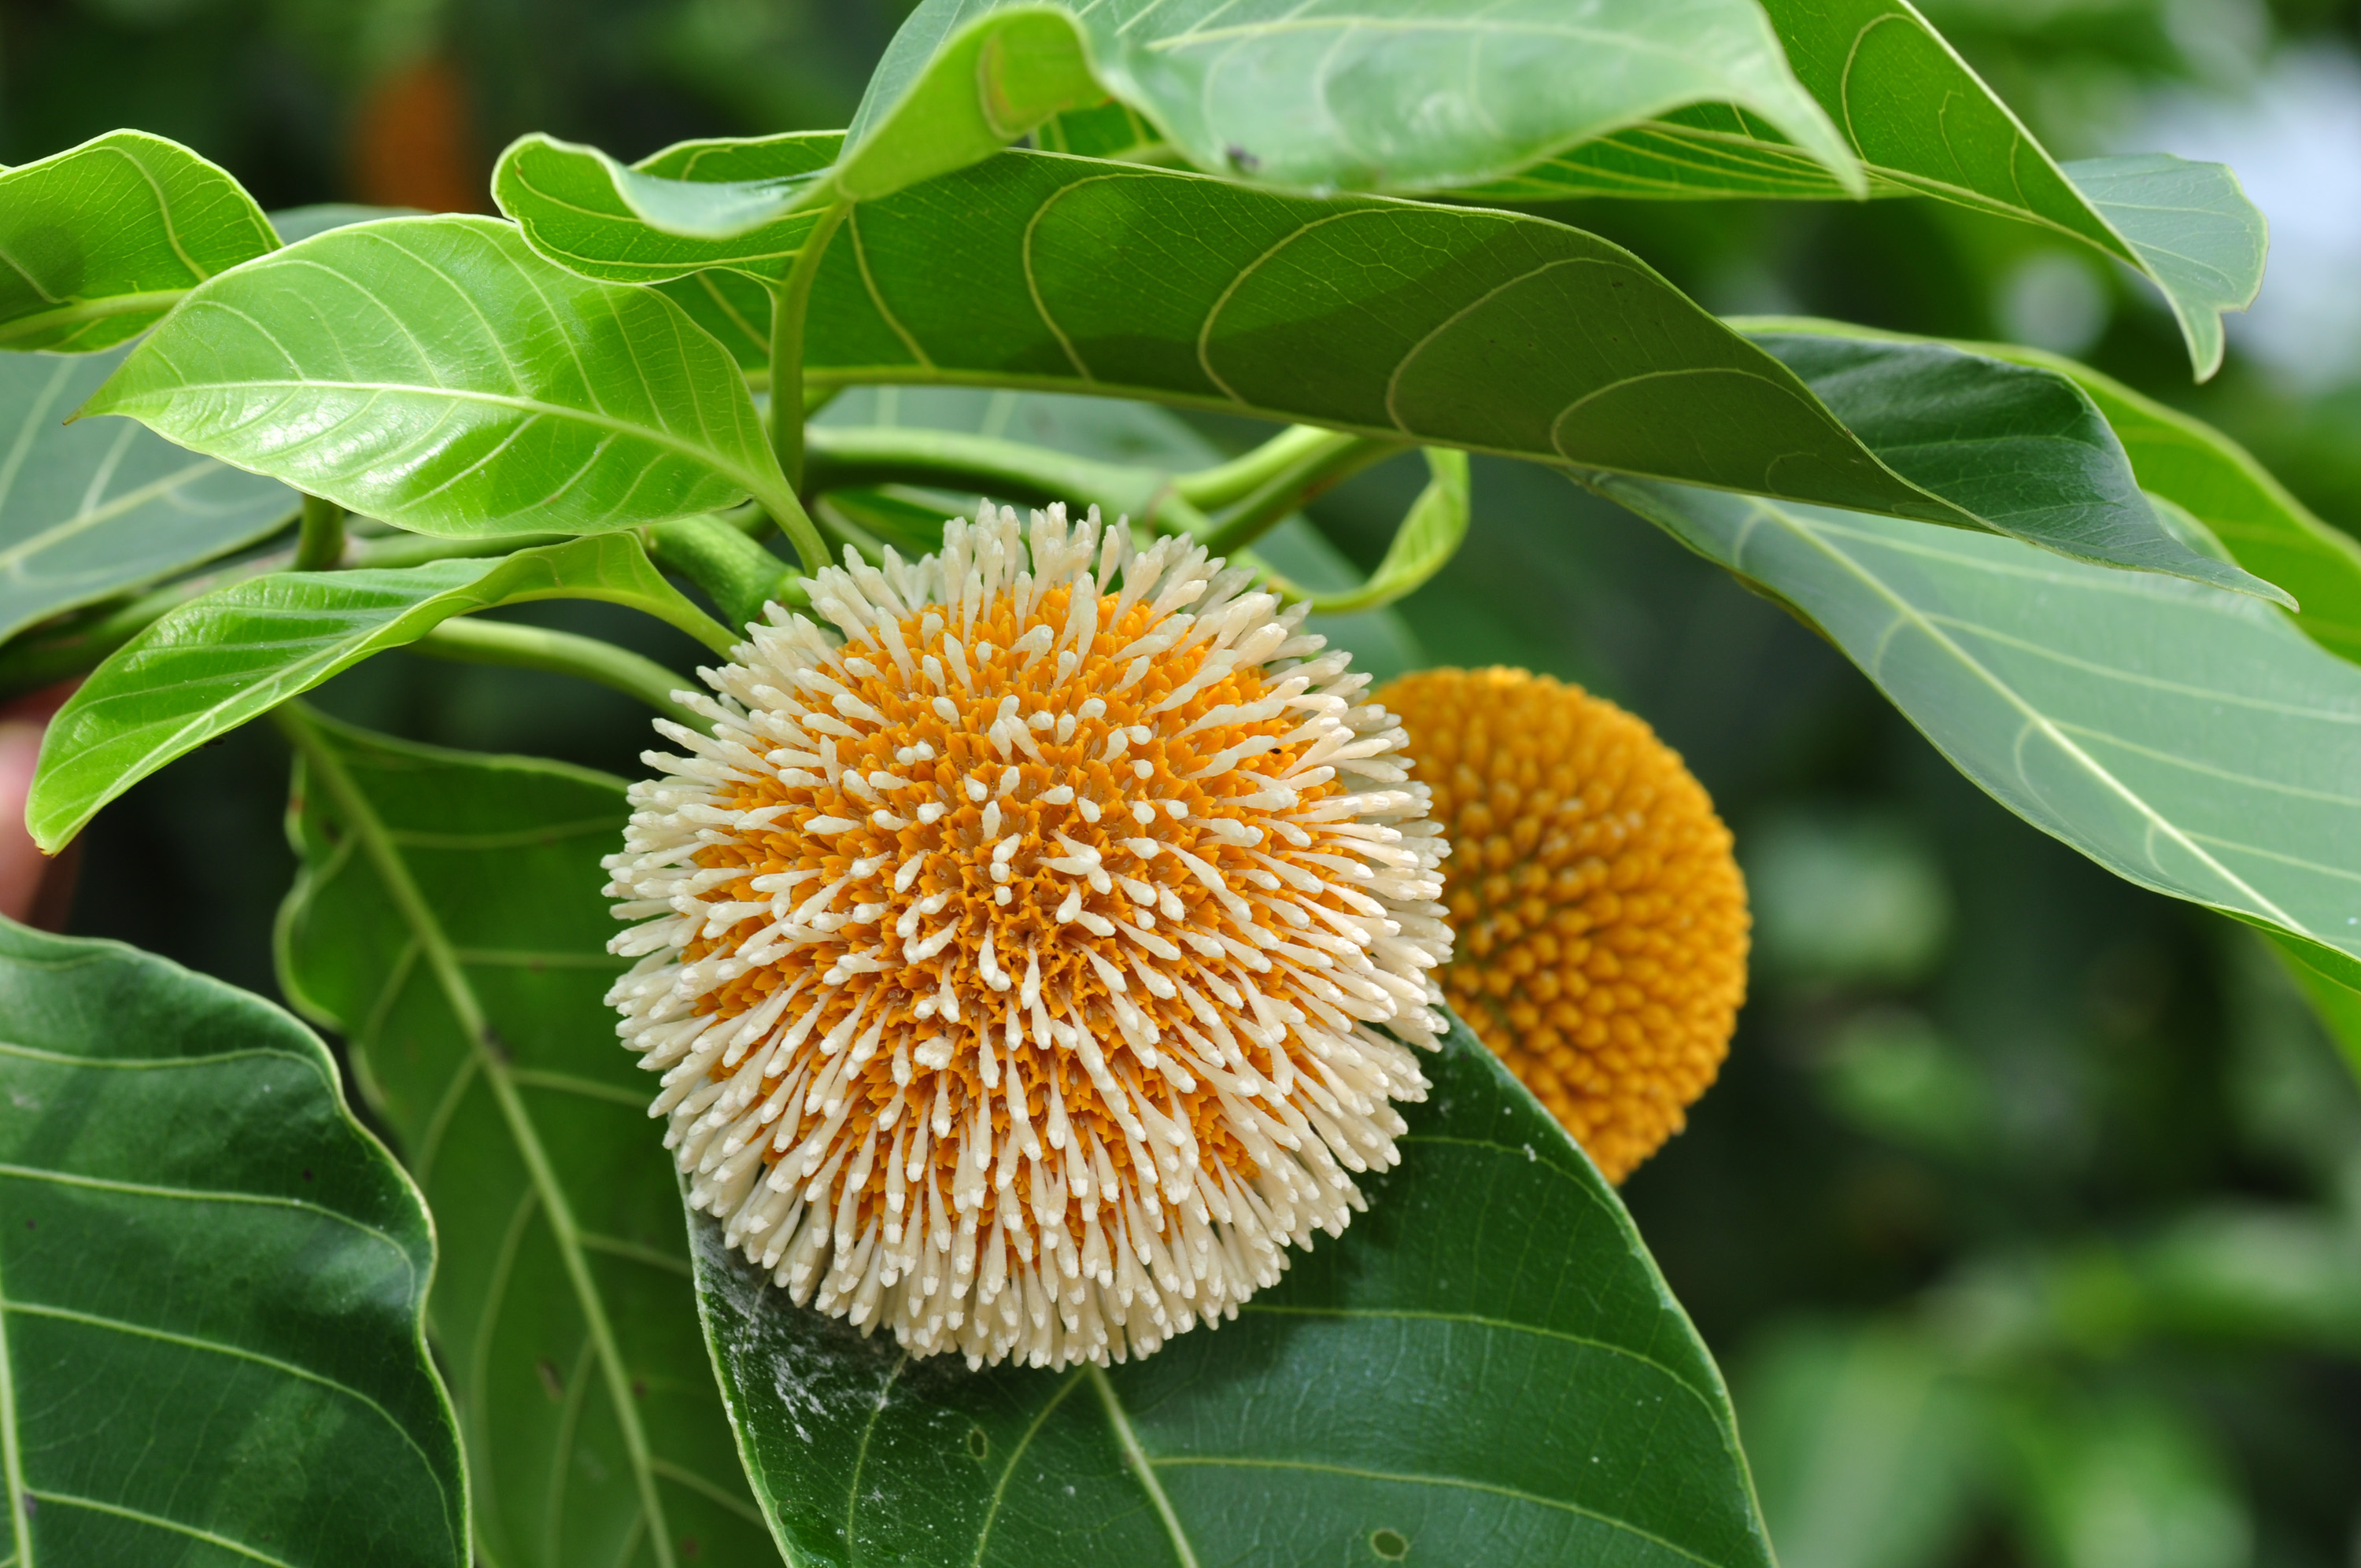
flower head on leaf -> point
(1016, 965)
(1601, 920)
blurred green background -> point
(2027, 1217)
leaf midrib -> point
(459, 995)
(757, 485)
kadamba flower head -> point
(1014, 965)
(1601, 918)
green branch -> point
(1212, 488)
(1312, 469)
(468, 640)
(319, 540)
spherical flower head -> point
(1030, 968)
(1601, 918)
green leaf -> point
(100, 240)
(694, 205)
(2332, 990)
(217, 662)
(1438, 325)
(1923, 125)
(1486, 1368)
(435, 373)
(1430, 535)
(89, 511)
(211, 1286)
(1389, 94)
(2188, 739)
(960, 81)
(2191, 464)
(2019, 446)
(448, 920)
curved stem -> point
(468, 641)
(1315, 470)
(843, 456)
(320, 542)
(789, 303)
(1249, 471)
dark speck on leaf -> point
(689, 1546)
(497, 1045)
(32, 1224)
(1242, 160)
(307, 1176)
(552, 1383)
(639, 1388)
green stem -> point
(789, 304)
(1249, 471)
(469, 641)
(842, 456)
(320, 542)
(739, 575)
(1315, 470)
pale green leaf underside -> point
(100, 240)
(1405, 95)
(1923, 124)
(210, 1285)
(1486, 1365)
(2191, 740)
(2192, 465)
(99, 507)
(683, 210)
(1437, 325)
(435, 373)
(220, 660)
(447, 920)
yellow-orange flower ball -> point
(1599, 918)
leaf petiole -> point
(1228, 483)
(1316, 467)
(843, 456)
(469, 641)
(739, 575)
(319, 540)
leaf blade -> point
(2190, 740)
(459, 941)
(89, 511)
(205, 1249)
(102, 239)
(217, 662)
(1409, 322)
(435, 373)
(1407, 1350)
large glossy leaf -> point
(1486, 1368)
(2188, 739)
(694, 205)
(93, 509)
(1401, 96)
(100, 240)
(448, 920)
(1924, 124)
(217, 662)
(1440, 325)
(2192, 465)
(437, 374)
(211, 1286)
(2020, 445)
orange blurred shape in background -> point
(413, 143)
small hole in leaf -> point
(1390, 1544)
(977, 1443)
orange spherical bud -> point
(1599, 918)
